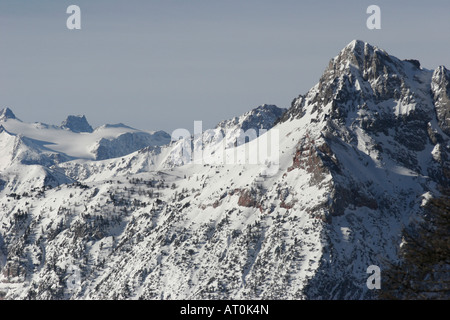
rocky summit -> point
(77, 124)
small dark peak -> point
(6, 113)
(262, 117)
(295, 111)
(77, 124)
(162, 134)
(441, 77)
(441, 71)
(268, 109)
(414, 62)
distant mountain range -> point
(75, 138)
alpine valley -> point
(120, 213)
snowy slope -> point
(355, 159)
(209, 147)
(76, 139)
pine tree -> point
(423, 272)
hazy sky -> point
(161, 64)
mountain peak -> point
(361, 55)
(267, 108)
(6, 113)
(364, 74)
(77, 124)
(261, 117)
(441, 73)
(356, 48)
(356, 45)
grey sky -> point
(163, 64)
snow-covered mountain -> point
(75, 138)
(351, 162)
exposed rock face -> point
(247, 199)
(440, 88)
(311, 157)
(77, 124)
